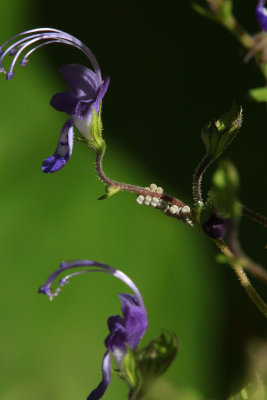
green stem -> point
(239, 32)
(197, 178)
(245, 282)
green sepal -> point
(259, 94)
(129, 368)
(218, 134)
(154, 359)
(223, 195)
(110, 191)
(96, 141)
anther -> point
(10, 75)
(12, 52)
(23, 62)
(140, 199)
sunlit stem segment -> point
(242, 276)
(197, 178)
(243, 37)
(130, 188)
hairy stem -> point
(197, 178)
(245, 282)
(131, 188)
(249, 265)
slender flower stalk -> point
(245, 282)
(253, 215)
(125, 332)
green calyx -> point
(96, 140)
(110, 191)
(223, 195)
(217, 135)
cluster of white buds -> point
(184, 213)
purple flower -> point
(215, 227)
(125, 331)
(261, 15)
(86, 87)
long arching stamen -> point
(59, 36)
(27, 55)
(96, 267)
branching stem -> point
(242, 276)
(131, 188)
(255, 216)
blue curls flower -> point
(86, 87)
(261, 15)
(125, 332)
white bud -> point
(174, 209)
(154, 201)
(140, 199)
(147, 188)
(147, 200)
(153, 187)
(185, 211)
(162, 203)
(159, 190)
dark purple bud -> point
(261, 15)
(215, 227)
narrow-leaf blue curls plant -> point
(125, 332)
(82, 102)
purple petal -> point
(83, 108)
(101, 93)
(81, 80)
(64, 101)
(135, 319)
(117, 337)
(261, 15)
(102, 387)
(63, 151)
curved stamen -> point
(100, 267)
(59, 36)
(27, 55)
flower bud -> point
(218, 134)
(153, 360)
(223, 195)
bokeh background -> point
(171, 71)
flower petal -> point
(63, 151)
(64, 101)
(135, 319)
(101, 93)
(118, 335)
(81, 80)
(261, 15)
(102, 387)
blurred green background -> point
(171, 71)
